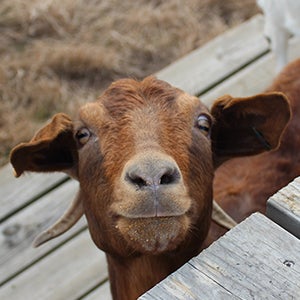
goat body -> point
(144, 154)
(243, 185)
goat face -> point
(145, 167)
(144, 154)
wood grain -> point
(100, 293)
(255, 260)
(18, 232)
(253, 79)
(16, 193)
(284, 207)
(205, 67)
(67, 273)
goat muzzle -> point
(152, 203)
(151, 186)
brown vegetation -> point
(58, 54)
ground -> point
(57, 54)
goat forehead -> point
(125, 96)
(150, 112)
(151, 99)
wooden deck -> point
(71, 267)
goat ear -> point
(53, 148)
(248, 126)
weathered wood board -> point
(284, 207)
(246, 263)
(205, 67)
(18, 232)
(17, 193)
(68, 273)
(253, 79)
(101, 293)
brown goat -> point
(243, 185)
(144, 154)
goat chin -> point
(154, 235)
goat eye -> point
(204, 124)
(83, 135)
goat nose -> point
(153, 175)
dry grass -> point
(57, 54)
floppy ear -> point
(247, 126)
(53, 148)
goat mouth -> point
(154, 234)
(148, 206)
(151, 214)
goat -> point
(281, 20)
(144, 154)
(243, 185)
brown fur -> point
(146, 170)
(243, 185)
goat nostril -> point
(136, 180)
(152, 178)
(169, 178)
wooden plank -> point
(18, 232)
(284, 207)
(218, 59)
(68, 273)
(101, 293)
(253, 79)
(245, 262)
(17, 193)
(180, 286)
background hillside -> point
(57, 54)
